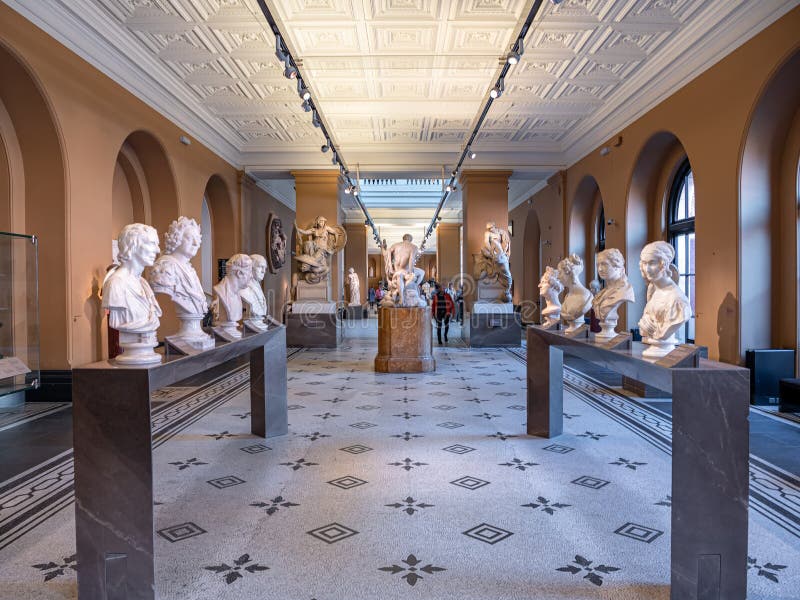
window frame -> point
(681, 227)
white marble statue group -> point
(134, 311)
(667, 307)
(403, 277)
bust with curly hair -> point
(578, 300)
(611, 269)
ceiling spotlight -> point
(289, 72)
(334, 159)
(348, 189)
(279, 51)
(355, 191)
(306, 106)
(516, 53)
(449, 188)
(302, 90)
(315, 119)
(498, 90)
(471, 153)
(556, 1)
(325, 147)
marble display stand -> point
(313, 324)
(493, 324)
(405, 340)
(112, 425)
(356, 312)
(710, 450)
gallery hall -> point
(399, 299)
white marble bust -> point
(174, 275)
(667, 307)
(404, 277)
(549, 289)
(254, 302)
(355, 287)
(227, 301)
(606, 303)
(131, 304)
(578, 300)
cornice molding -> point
(83, 28)
(525, 194)
(273, 190)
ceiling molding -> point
(526, 193)
(278, 190)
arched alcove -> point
(35, 201)
(223, 231)
(206, 248)
(768, 214)
(582, 223)
(531, 266)
(646, 205)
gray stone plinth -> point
(487, 330)
(313, 330)
(355, 312)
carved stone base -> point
(313, 330)
(137, 348)
(405, 340)
(227, 331)
(175, 344)
(313, 291)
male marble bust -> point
(253, 300)
(227, 301)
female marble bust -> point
(227, 301)
(549, 289)
(667, 307)
(606, 303)
(131, 304)
(578, 300)
(174, 275)
(253, 300)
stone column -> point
(317, 194)
(355, 255)
(448, 252)
(484, 197)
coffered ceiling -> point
(400, 82)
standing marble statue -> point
(227, 302)
(174, 275)
(578, 300)
(492, 264)
(549, 289)
(131, 303)
(254, 303)
(355, 287)
(315, 246)
(404, 277)
(606, 303)
(667, 307)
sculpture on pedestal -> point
(254, 302)
(227, 302)
(355, 287)
(404, 278)
(667, 307)
(174, 275)
(276, 243)
(578, 300)
(606, 303)
(491, 265)
(131, 303)
(549, 289)
(315, 246)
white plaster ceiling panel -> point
(417, 10)
(478, 38)
(326, 40)
(481, 10)
(312, 10)
(403, 39)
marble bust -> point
(404, 276)
(549, 289)
(174, 275)
(578, 300)
(131, 303)
(355, 287)
(254, 303)
(227, 301)
(606, 303)
(667, 307)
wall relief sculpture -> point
(276, 243)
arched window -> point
(601, 230)
(682, 236)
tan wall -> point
(317, 194)
(70, 206)
(256, 208)
(708, 120)
(355, 256)
(484, 198)
(448, 253)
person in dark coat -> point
(443, 309)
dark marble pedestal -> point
(313, 330)
(710, 451)
(487, 330)
(114, 458)
(358, 311)
(405, 340)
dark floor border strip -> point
(766, 509)
(775, 471)
(29, 516)
(36, 471)
(40, 518)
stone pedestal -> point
(405, 340)
(355, 312)
(313, 329)
(314, 291)
(493, 324)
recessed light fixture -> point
(498, 89)
(516, 53)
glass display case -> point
(19, 313)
